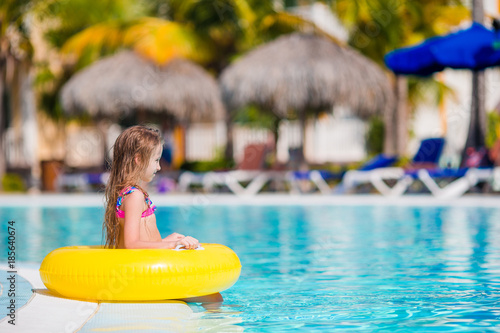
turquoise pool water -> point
(323, 268)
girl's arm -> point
(173, 237)
(133, 206)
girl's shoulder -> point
(130, 191)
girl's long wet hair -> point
(136, 142)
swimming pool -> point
(323, 267)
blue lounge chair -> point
(426, 158)
(320, 177)
(476, 168)
(466, 178)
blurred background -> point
(305, 79)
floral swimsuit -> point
(148, 231)
(121, 214)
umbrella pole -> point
(477, 122)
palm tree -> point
(15, 61)
(61, 20)
(233, 26)
(211, 33)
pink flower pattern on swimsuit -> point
(121, 214)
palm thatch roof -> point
(124, 83)
(301, 72)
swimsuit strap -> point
(121, 214)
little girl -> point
(129, 221)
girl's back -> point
(148, 231)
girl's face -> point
(153, 165)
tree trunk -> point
(276, 133)
(401, 115)
(228, 154)
(103, 129)
(477, 123)
(303, 124)
(2, 122)
(390, 122)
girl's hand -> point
(173, 237)
(188, 242)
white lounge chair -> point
(250, 171)
(427, 155)
(459, 186)
(377, 178)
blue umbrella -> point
(475, 48)
(415, 60)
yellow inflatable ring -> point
(95, 273)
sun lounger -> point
(495, 181)
(378, 178)
(255, 180)
(188, 178)
(317, 177)
(250, 170)
(466, 178)
(81, 181)
(320, 177)
(476, 167)
(427, 157)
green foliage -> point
(252, 116)
(12, 182)
(48, 86)
(493, 128)
(232, 26)
(75, 15)
(375, 136)
(427, 89)
(49, 102)
(379, 26)
(44, 75)
(12, 15)
(218, 164)
(403, 162)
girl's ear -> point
(137, 159)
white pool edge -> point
(96, 199)
(46, 313)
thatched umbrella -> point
(302, 73)
(124, 83)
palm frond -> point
(98, 38)
(162, 41)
